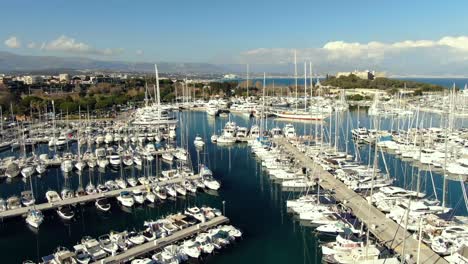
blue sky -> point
(229, 31)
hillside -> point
(10, 62)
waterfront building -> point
(64, 77)
(366, 75)
(32, 79)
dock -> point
(86, 198)
(164, 241)
(388, 232)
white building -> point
(366, 75)
(32, 79)
(230, 76)
(64, 77)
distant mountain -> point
(10, 62)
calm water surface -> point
(252, 202)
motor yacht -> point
(126, 199)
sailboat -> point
(28, 166)
(40, 167)
(34, 218)
(12, 170)
(296, 113)
(53, 140)
(198, 142)
(27, 198)
(153, 115)
(80, 164)
(28, 170)
(90, 187)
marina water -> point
(251, 201)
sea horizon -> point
(446, 82)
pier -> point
(164, 241)
(86, 198)
(388, 232)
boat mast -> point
(78, 134)
(305, 86)
(146, 94)
(444, 176)
(247, 82)
(263, 103)
(330, 130)
(157, 91)
(311, 83)
(321, 123)
(347, 130)
(336, 131)
(175, 92)
(419, 239)
(1, 120)
(54, 125)
(374, 172)
(295, 76)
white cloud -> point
(408, 56)
(13, 42)
(460, 43)
(32, 45)
(139, 52)
(70, 45)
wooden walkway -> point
(86, 198)
(385, 229)
(162, 242)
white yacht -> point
(181, 154)
(299, 115)
(212, 111)
(241, 132)
(34, 218)
(28, 170)
(139, 196)
(93, 248)
(289, 131)
(254, 131)
(204, 240)
(126, 199)
(61, 141)
(198, 142)
(67, 165)
(137, 160)
(52, 196)
(27, 198)
(191, 248)
(115, 160)
(108, 139)
(167, 156)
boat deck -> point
(162, 242)
(58, 162)
(385, 229)
(84, 199)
